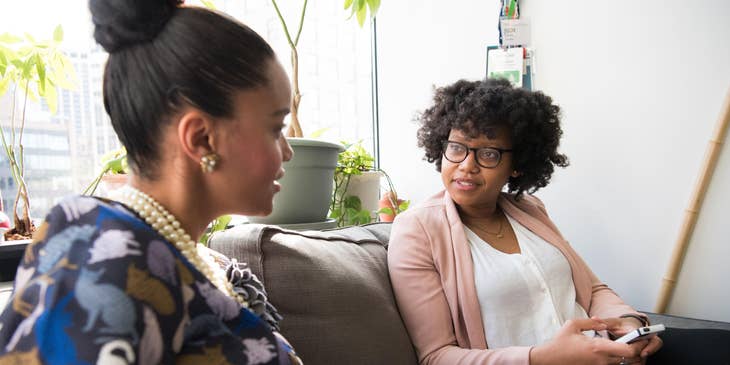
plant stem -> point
(339, 200)
(301, 23)
(21, 163)
(283, 24)
(394, 196)
(94, 184)
(295, 129)
(22, 223)
(12, 117)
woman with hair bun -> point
(198, 101)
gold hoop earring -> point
(209, 161)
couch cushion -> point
(331, 287)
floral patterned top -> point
(98, 285)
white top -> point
(525, 298)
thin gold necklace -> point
(498, 234)
(169, 227)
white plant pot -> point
(367, 188)
(110, 183)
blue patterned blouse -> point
(98, 286)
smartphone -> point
(641, 333)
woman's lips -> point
(277, 185)
(463, 184)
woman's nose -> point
(286, 151)
(470, 162)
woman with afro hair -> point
(480, 273)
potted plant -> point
(357, 186)
(355, 199)
(32, 70)
(307, 186)
(390, 204)
(113, 173)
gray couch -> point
(332, 288)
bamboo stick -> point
(714, 146)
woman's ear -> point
(196, 134)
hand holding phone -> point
(641, 333)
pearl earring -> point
(209, 161)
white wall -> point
(640, 84)
(422, 44)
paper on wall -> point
(506, 63)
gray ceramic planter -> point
(306, 188)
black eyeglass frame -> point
(445, 144)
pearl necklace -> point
(169, 227)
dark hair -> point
(478, 107)
(162, 57)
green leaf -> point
(385, 210)
(64, 72)
(361, 15)
(318, 133)
(374, 5)
(352, 202)
(220, 223)
(9, 38)
(403, 206)
(117, 165)
(4, 83)
(336, 213)
(51, 99)
(363, 217)
(40, 67)
(359, 8)
(27, 67)
(208, 4)
(5, 53)
(17, 62)
(58, 34)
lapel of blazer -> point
(530, 216)
(465, 287)
(541, 227)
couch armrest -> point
(686, 322)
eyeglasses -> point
(487, 157)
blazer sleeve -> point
(423, 304)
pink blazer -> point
(432, 273)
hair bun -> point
(121, 23)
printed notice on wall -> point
(515, 32)
(507, 64)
